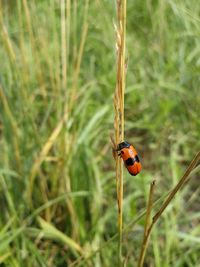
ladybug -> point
(130, 157)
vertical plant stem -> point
(79, 55)
(147, 223)
(13, 124)
(119, 112)
(36, 56)
(63, 44)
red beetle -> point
(130, 157)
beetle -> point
(130, 157)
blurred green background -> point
(57, 173)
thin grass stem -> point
(185, 178)
(147, 223)
(119, 112)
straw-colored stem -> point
(63, 44)
(119, 112)
(170, 197)
(13, 124)
(34, 48)
(147, 223)
(79, 55)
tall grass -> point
(57, 77)
(119, 113)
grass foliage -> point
(57, 78)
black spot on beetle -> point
(136, 158)
(129, 161)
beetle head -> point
(123, 145)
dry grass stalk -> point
(185, 178)
(147, 222)
(29, 24)
(42, 155)
(13, 124)
(119, 110)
